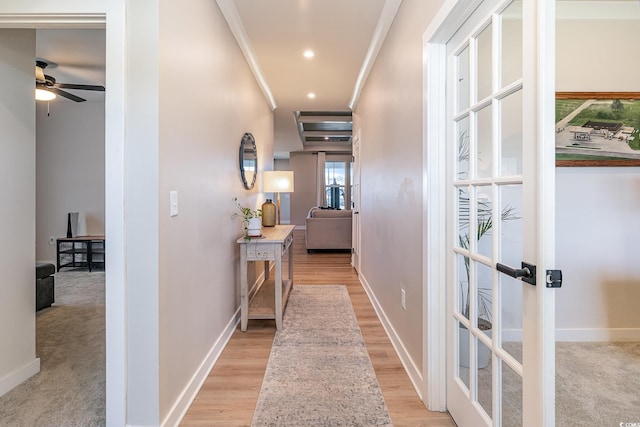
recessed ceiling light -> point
(309, 54)
(311, 95)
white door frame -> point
(112, 18)
(447, 21)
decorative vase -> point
(268, 213)
(254, 227)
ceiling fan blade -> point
(82, 87)
(65, 94)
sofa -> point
(328, 229)
(44, 285)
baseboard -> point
(182, 404)
(598, 334)
(582, 334)
(8, 382)
(407, 362)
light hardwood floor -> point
(229, 395)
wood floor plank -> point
(230, 392)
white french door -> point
(500, 210)
(355, 198)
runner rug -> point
(319, 372)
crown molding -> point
(231, 15)
(53, 20)
(387, 16)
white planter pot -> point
(484, 353)
(254, 227)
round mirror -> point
(248, 160)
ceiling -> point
(273, 34)
(74, 56)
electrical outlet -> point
(404, 299)
(52, 240)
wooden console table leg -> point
(266, 270)
(244, 292)
(278, 292)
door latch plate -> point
(554, 278)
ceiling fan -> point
(48, 84)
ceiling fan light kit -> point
(47, 88)
(44, 95)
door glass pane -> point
(511, 397)
(463, 283)
(462, 139)
(484, 377)
(484, 222)
(462, 80)
(511, 309)
(511, 254)
(463, 353)
(511, 129)
(484, 298)
(511, 43)
(462, 200)
(484, 150)
(484, 63)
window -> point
(338, 184)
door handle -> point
(527, 273)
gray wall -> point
(17, 216)
(390, 118)
(200, 128)
(285, 198)
(69, 170)
(303, 165)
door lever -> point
(527, 273)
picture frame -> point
(597, 128)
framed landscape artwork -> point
(597, 128)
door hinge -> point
(554, 278)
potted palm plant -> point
(484, 224)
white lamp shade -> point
(277, 181)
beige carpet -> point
(69, 391)
(319, 372)
(596, 385)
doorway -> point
(24, 15)
(492, 182)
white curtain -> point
(321, 193)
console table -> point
(273, 245)
(80, 251)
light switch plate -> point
(173, 203)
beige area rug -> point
(319, 372)
(69, 391)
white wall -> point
(69, 170)
(597, 208)
(208, 100)
(389, 117)
(17, 216)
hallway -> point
(229, 395)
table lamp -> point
(277, 182)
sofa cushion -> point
(329, 213)
(44, 269)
